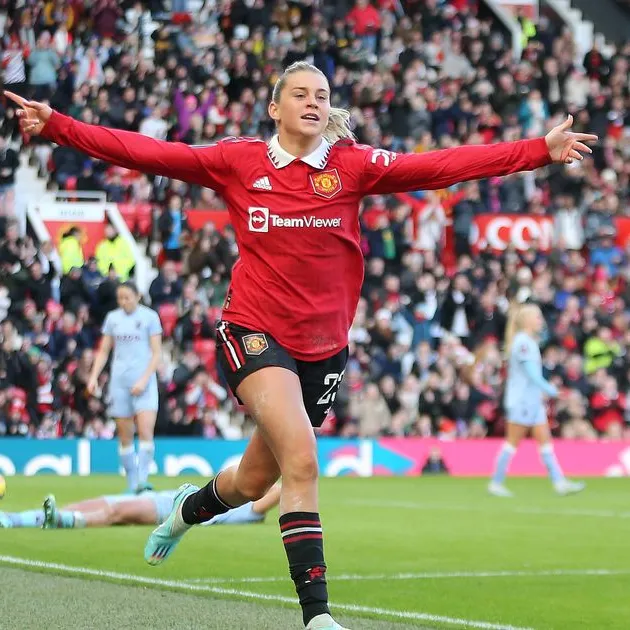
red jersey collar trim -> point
(281, 158)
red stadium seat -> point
(206, 350)
(144, 219)
(204, 346)
(168, 316)
(128, 211)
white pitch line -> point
(185, 586)
(348, 577)
(475, 508)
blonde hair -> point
(338, 126)
(517, 317)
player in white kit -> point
(524, 402)
(148, 508)
(134, 332)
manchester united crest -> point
(326, 183)
(256, 344)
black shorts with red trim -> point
(241, 352)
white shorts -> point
(526, 415)
(122, 404)
(163, 502)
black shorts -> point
(241, 352)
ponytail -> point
(338, 127)
(511, 328)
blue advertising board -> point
(184, 456)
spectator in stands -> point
(572, 416)
(92, 277)
(464, 213)
(66, 163)
(105, 14)
(533, 114)
(606, 254)
(9, 163)
(39, 286)
(13, 65)
(154, 125)
(365, 20)
(116, 191)
(71, 249)
(600, 351)
(193, 325)
(51, 266)
(87, 180)
(141, 189)
(568, 229)
(489, 319)
(192, 292)
(15, 368)
(167, 286)
(204, 258)
(106, 296)
(455, 65)
(431, 224)
(11, 251)
(90, 70)
(172, 225)
(185, 369)
(44, 63)
(69, 340)
(371, 411)
(114, 251)
(74, 291)
(609, 407)
(459, 308)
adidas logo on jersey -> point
(262, 183)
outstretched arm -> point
(205, 166)
(386, 172)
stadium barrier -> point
(365, 458)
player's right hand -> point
(33, 115)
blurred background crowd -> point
(417, 75)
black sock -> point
(204, 505)
(304, 544)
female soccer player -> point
(294, 205)
(135, 333)
(524, 403)
(148, 508)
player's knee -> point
(301, 467)
(114, 515)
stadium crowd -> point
(416, 75)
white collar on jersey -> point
(281, 158)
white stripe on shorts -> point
(229, 345)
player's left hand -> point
(139, 387)
(565, 146)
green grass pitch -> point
(402, 553)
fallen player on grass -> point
(149, 508)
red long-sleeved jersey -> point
(300, 269)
